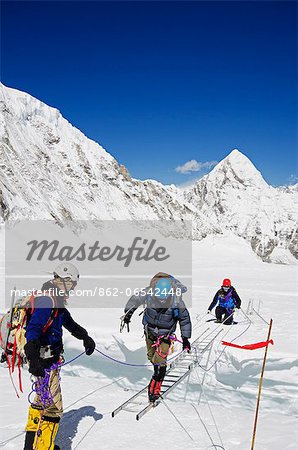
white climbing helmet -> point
(67, 270)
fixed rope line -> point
(3, 443)
(168, 408)
(87, 432)
(213, 418)
(206, 429)
(207, 370)
(202, 422)
(246, 315)
(149, 365)
(137, 365)
(201, 383)
(262, 318)
(121, 362)
(208, 404)
(198, 321)
(224, 349)
(93, 392)
(124, 363)
(73, 359)
(216, 446)
(170, 360)
(176, 418)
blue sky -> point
(159, 84)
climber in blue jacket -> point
(227, 300)
(43, 350)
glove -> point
(126, 319)
(186, 344)
(81, 334)
(89, 345)
(32, 352)
(36, 368)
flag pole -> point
(260, 389)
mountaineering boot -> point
(151, 390)
(218, 321)
(154, 390)
(156, 382)
(46, 434)
(157, 389)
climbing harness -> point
(160, 339)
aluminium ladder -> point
(178, 370)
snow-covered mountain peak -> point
(51, 170)
(25, 106)
(237, 169)
(40, 120)
(235, 195)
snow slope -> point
(50, 170)
(94, 386)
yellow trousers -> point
(45, 421)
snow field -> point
(94, 386)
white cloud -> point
(194, 166)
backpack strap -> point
(53, 316)
(229, 295)
(54, 312)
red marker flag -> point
(249, 346)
